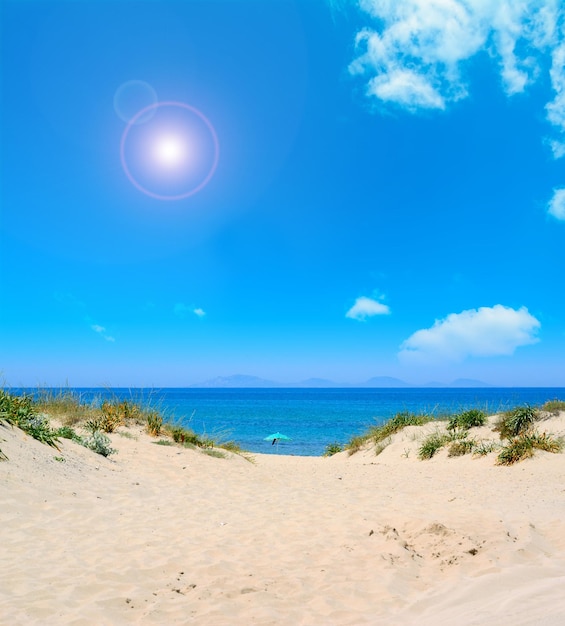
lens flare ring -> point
(153, 108)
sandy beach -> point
(166, 535)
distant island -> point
(243, 381)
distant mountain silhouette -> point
(468, 382)
(238, 381)
(317, 383)
(385, 381)
(242, 381)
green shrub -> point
(154, 423)
(461, 447)
(20, 411)
(467, 419)
(332, 448)
(516, 421)
(485, 447)
(554, 406)
(182, 435)
(431, 444)
(66, 432)
(14, 409)
(524, 445)
(99, 443)
(94, 425)
(111, 417)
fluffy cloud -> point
(556, 205)
(182, 310)
(414, 55)
(429, 40)
(488, 331)
(366, 307)
(100, 330)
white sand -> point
(164, 535)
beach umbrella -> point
(275, 437)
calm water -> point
(312, 418)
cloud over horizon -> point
(367, 307)
(483, 332)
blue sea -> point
(311, 418)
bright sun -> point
(170, 151)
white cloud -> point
(488, 331)
(407, 88)
(100, 330)
(182, 310)
(556, 108)
(556, 205)
(415, 52)
(366, 307)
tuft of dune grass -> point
(524, 446)
(378, 434)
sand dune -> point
(166, 535)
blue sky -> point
(386, 196)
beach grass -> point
(154, 423)
(516, 421)
(553, 406)
(379, 433)
(525, 444)
(20, 411)
(461, 447)
(33, 412)
(467, 419)
(332, 448)
(432, 444)
(514, 425)
(65, 405)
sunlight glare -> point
(170, 151)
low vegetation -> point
(32, 414)
(525, 444)
(20, 411)
(517, 421)
(154, 424)
(377, 434)
(89, 423)
(462, 447)
(516, 428)
(332, 448)
(467, 420)
(431, 444)
(553, 406)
